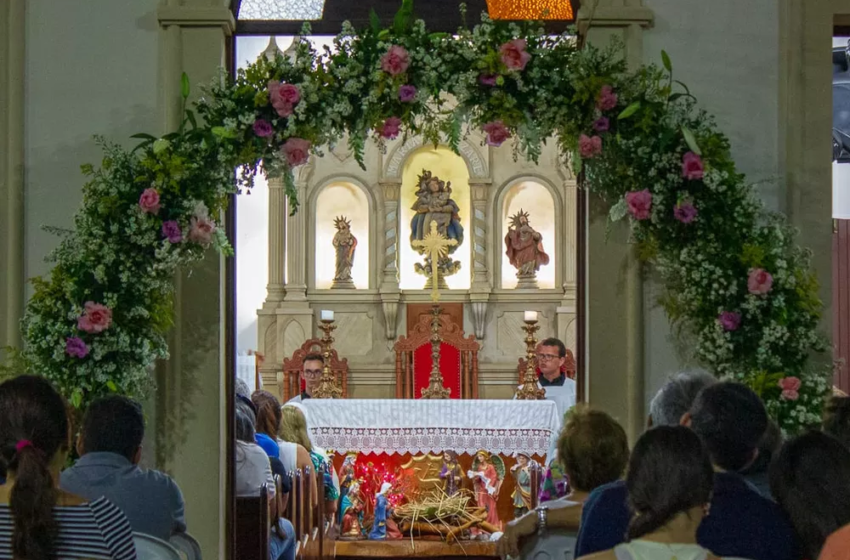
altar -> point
(403, 426)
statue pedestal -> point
(343, 285)
(526, 282)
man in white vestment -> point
(311, 374)
(552, 375)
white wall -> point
(91, 68)
(727, 52)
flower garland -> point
(735, 280)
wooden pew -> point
(252, 526)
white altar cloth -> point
(399, 426)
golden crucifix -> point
(436, 246)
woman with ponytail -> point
(37, 520)
(669, 484)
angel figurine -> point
(522, 492)
(451, 473)
(487, 474)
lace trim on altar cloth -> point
(433, 440)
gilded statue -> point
(434, 203)
(525, 250)
(344, 244)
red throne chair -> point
(292, 384)
(458, 360)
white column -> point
(296, 251)
(277, 242)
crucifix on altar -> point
(436, 246)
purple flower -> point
(729, 320)
(74, 346)
(407, 93)
(685, 212)
(171, 231)
(263, 128)
(602, 124)
(487, 80)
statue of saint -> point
(434, 202)
(344, 244)
(525, 250)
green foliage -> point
(119, 255)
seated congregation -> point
(710, 478)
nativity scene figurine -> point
(434, 203)
(525, 250)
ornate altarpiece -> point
(371, 318)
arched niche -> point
(538, 198)
(448, 166)
(341, 196)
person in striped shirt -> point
(38, 521)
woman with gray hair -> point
(676, 396)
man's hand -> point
(515, 532)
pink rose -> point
(407, 93)
(692, 168)
(607, 99)
(201, 230)
(639, 203)
(75, 347)
(95, 318)
(790, 388)
(396, 60)
(283, 97)
(263, 128)
(602, 124)
(487, 80)
(289, 94)
(513, 54)
(759, 281)
(729, 320)
(685, 212)
(497, 133)
(296, 151)
(390, 128)
(171, 231)
(589, 146)
(149, 201)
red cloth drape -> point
(449, 367)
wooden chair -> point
(413, 359)
(569, 366)
(292, 368)
(252, 526)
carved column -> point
(390, 293)
(277, 242)
(296, 251)
(479, 293)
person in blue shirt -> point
(730, 419)
(110, 448)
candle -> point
(530, 316)
(327, 315)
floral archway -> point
(735, 280)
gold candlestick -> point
(328, 388)
(530, 390)
(435, 389)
